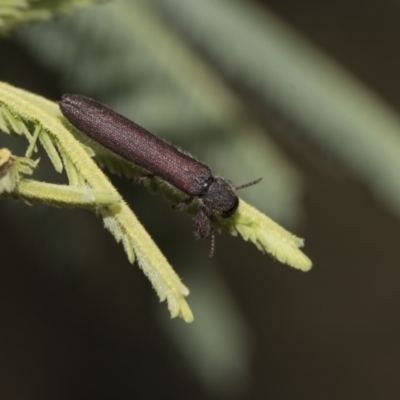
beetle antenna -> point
(212, 246)
(249, 184)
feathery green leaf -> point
(25, 111)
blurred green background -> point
(304, 94)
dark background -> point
(77, 321)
